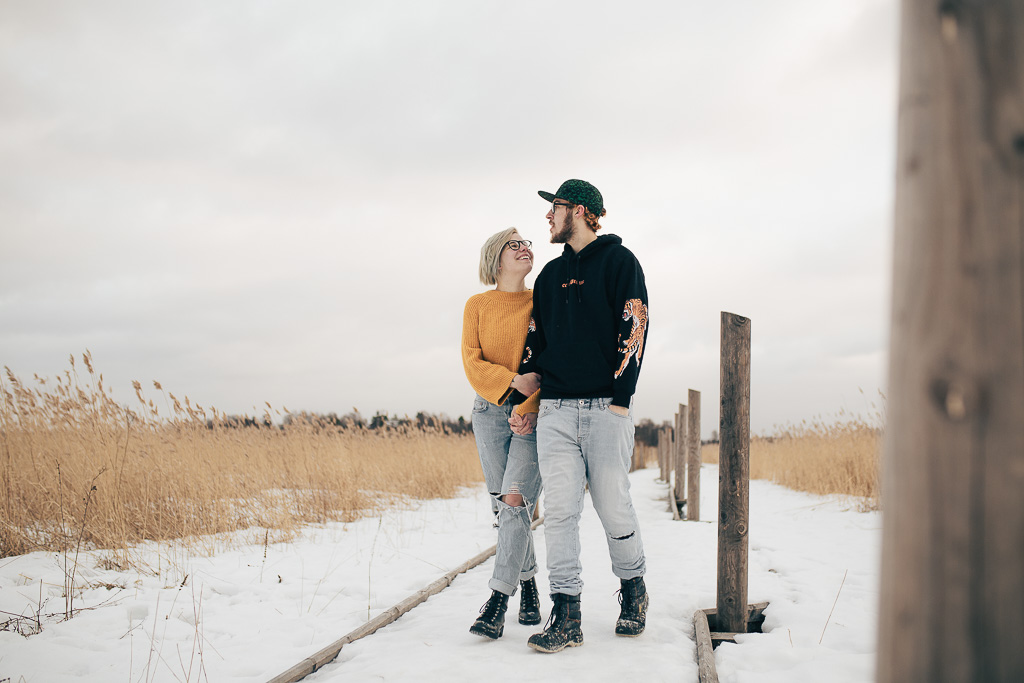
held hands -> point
(522, 424)
(526, 384)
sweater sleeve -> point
(530, 404)
(631, 297)
(490, 380)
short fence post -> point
(668, 453)
(734, 474)
(663, 454)
(693, 458)
(679, 457)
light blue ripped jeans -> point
(580, 442)
(509, 462)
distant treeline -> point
(647, 432)
(423, 421)
(646, 429)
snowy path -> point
(801, 546)
(256, 616)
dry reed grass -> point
(78, 469)
(838, 456)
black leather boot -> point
(491, 622)
(634, 600)
(563, 628)
(529, 602)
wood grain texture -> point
(706, 670)
(952, 583)
(693, 457)
(734, 473)
(679, 453)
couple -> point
(554, 370)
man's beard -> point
(565, 234)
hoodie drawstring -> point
(568, 279)
(579, 296)
(572, 279)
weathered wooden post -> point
(952, 581)
(658, 451)
(733, 615)
(663, 461)
(693, 458)
(679, 457)
(661, 466)
(734, 474)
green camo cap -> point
(577, 192)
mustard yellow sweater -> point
(494, 328)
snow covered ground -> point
(248, 614)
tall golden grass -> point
(78, 469)
(824, 456)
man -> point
(590, 311)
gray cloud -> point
(281, 202)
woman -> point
(498, 365)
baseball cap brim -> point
(547, 196)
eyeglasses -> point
(516, 245)
(555, 205)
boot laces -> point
(628, 599)
(551, 622)
(559, 613)
(491, 608)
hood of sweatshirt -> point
(571, 261)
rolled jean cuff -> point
(502, 587)
(626, 574)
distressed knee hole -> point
(513, 497)
(623, 538)
(513, 500)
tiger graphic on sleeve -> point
(528, 354)
(634, 345)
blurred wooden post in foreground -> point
(952, 582)
(692, 458)
(679, 459)
(734, 474)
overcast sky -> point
(285, 201)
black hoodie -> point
(590, 311)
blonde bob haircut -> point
(490, 255)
